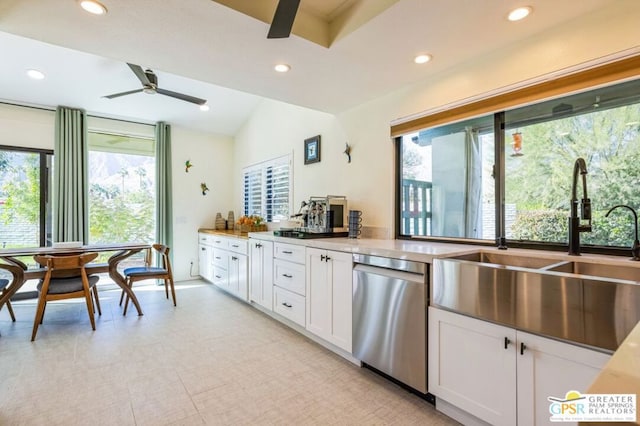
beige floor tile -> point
(211, 360)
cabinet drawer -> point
(220, 258)
(289, 305)
(219, 242)
(239, 246)
(290, 276)
(205, 239)
(289, 252)
(220, 276)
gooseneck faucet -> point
(635, 248)
(575, 225)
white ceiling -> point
(205, 49)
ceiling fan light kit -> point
(150, 86)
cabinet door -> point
(472, 365)
(204, 262)
(261, 273)
(238, 284)
(547, 368)
(341, 278)
(318, 293)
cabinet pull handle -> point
(234, 258)
(522, 348)
(235, 245)
(327, 258)
(258, 245)
(287, 305)
(287, 275)
(322, 256)
(287, 252)
(506, 342)
(218, 241)
(218, 257)
(218, 276)
(203, 249)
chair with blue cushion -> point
(148, 272)
(66, 278)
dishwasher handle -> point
(410, 277)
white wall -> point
(211, 157)
(368, 180)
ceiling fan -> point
(283, 19)
(150, 85)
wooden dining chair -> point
(66, 278)
(148, 272)
(17, 274)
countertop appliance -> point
(390, 300)
(321, 217)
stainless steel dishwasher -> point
(390, 299)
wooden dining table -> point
(122, 252)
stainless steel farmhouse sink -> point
(582, 302)
(620, 272)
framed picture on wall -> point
(312, 150)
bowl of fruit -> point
(253, 223)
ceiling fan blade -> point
(139, 72)
(283, 19)
(182, 96)
(117, 95)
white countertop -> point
(426, 251)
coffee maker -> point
(325, 214)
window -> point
(445, 178)
(447, 188)
(25, 207)
(267, 189)
(121, 188)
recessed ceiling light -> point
(282, 68)
(520, 13)
(35, 74)
(93, 6)
(204, 107)
(422, 59)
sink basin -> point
(620, 272)
(507, 260)
(586, 303)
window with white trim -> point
(267, 189)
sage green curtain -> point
(70, 176)
(164, 215)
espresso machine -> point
(321, 217)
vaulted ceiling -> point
(342, 53)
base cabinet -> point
(500, 375)
(261, 273)
(329, 276)
(224, 261)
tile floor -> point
(211, 360)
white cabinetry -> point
(501, 375)
(205, 256)
(329, 296)
(230, 265)
(289, 282)
(261, 272)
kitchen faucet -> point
(575, 226)
(635, 249)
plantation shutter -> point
(267, 189)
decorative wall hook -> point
(204, 188)
(187, 166)
(347, 151)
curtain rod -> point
(46, 108)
